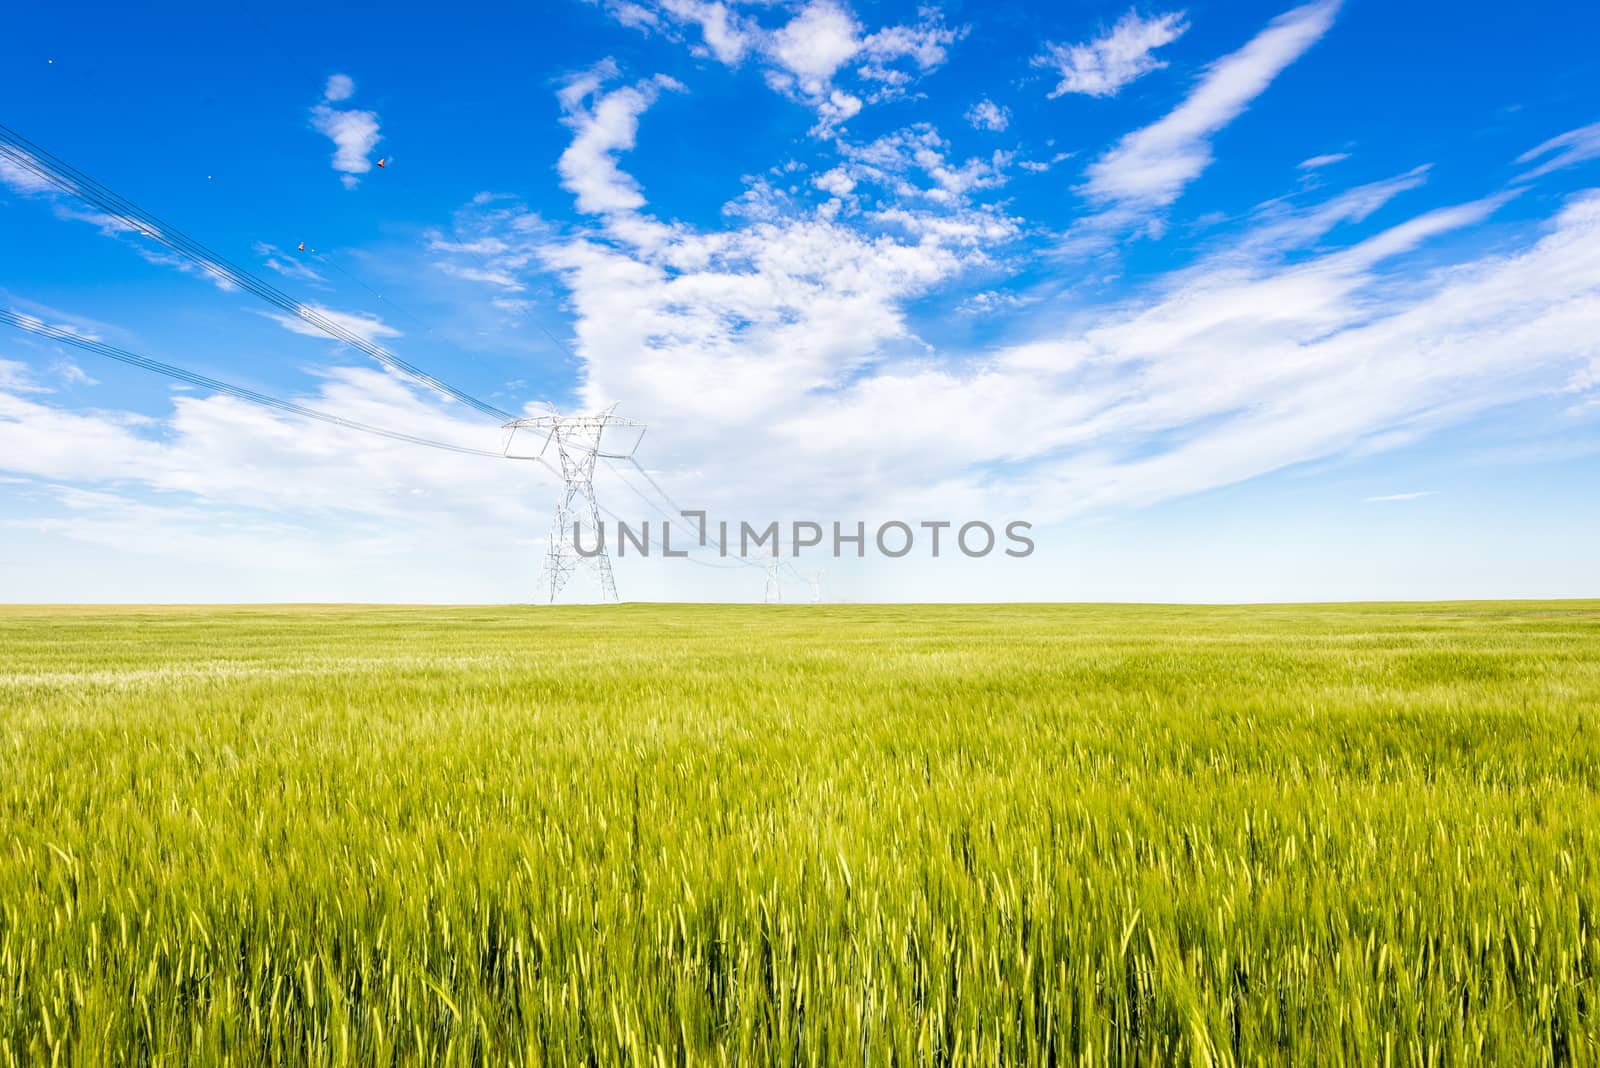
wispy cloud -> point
(1277, 228)
(493, 276)
(1101, 67)
(1149, 168)
(1325, 160)
(364, 325)
(143, 238)
(18, 378)
(284, 263)
(23, 378)
(21, 180)
(1417, 495)
(1566, 150)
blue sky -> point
(1232, 301)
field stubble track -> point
(930, 835)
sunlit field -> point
(800, 835)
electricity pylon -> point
(577, 439)
(814, 579)
(774, 594)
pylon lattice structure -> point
(578, 441)
(814, 580)
(774, 594)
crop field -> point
(800, 835)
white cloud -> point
(815, 44)
(927, 43)
(1327, 160)
(354, 135)
(813, 56)
(1150, 167)
(787, 344)
(987, 115)
(838, 109)
(792, 299)
(836, 181)
(1576, 146)
(604, 124)
(354, 132)
(1040, 166)
(339, 87)
(727, 36)
(1101, 67)
(1301, 363)
(1414, 496)
(232, 454)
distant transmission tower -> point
(814, 579)
(774, 593)
(577, 439)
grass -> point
(670, 835)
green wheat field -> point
(800, 835)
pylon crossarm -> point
(511, 434)
(581, 432)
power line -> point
(36, 326)
(67, 337)
(36, 161)
(483, 261)
(329, 260)
(272, 38)
(736, 562)
(24, 154)
(654, 484)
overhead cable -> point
(68, 337)
(35, 161)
